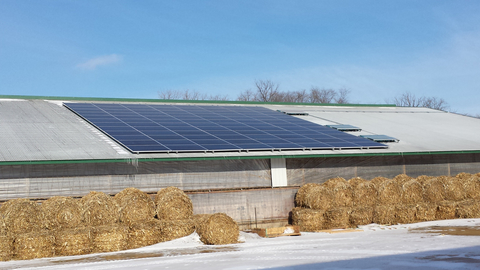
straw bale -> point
(412, 192)
(309, 220)
(389, 192)
(318, 197)
(335, 182)
(423, 178)
(433, 190)
(478, 174)
(32, 245)
(108, 238)
(426, 211)
(300, 198)
(217, 229)
(354, 182)
(471, 186)
(342, 195)
(365, 194)
(384, 214)
(446, 210)
(463, 175)
(144, 233)
(22, 215)
(405, 213)
(361, 215)
(6, 247)
(454, 190)
(172, 204)
(173, 229)
(377, 181)
(3, 226)
(61, 212)
(402, 179)
(468, 209)
(337, 218)
(73, 241)
(99, 209)
(135, 205)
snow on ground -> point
(376, 247)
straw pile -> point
(354, 182)
(337, 218)
(361, 215)
(6, 247)
(300, 198)
(365, 194)
(453, 188)
(446, 210)
(342, 194)
(32, 245)
(433, 190)
(216, 229)
(173, 229)
(309, 220)
(61, 212)
(335, 182)
(21, 216)
(426, 211)
(389, 193)
(107, 238)
(99, 209)
(471, 186)
(378, 181)
(468, 209)
(135, 205)
(384, 214)
(3, 226)
(412, 192)
(405, 213)
(463, 175)
(144, 233)
(423, 178)
(318, 197)
(173, 204)
(76, 241)
(402, 179)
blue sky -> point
(134, 49)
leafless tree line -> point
(408, 99)
(189, 95)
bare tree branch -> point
(408, 99)
(267, 91)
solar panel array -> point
(144, 128)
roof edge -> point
(187, 101)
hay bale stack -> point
(173, 204)
(61, 212)
(446, 210)
(453, 188)
(361, 215)
(384, 214)
(6, 247)
(318, 197)
(389, 193)
(426, 211)
(135, 205)
(412, 192)
(365, 194)
(309, 220)
(144, 233)
(468, 209)
(22, 216)
(354, 182)
(405, 213)
(423, 178)
(32, 245)
(378, 181)
(99, 209)
(108, 238)
(216, 229)
(174, 229)
(433, 190)
(334, 182)
(300, 198)
(471, 186)
(402, 179)
(73, 241)
(342, 194)
(337, 218)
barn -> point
(60, 146)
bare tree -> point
(408, 99)
(170, 94)
(342, 96)
(318, 95)
(435, 103)
(247, 95)
(267, 91)
(189, 95)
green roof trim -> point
(130, 160)
(187, 101)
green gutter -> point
(188, 101)
(82, 161)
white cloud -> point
(103, 60)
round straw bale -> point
(318, 197)
(478, 174)
(73, 241)
(389, 192)
(61, 212)
(309, 220)
(342, 195)
(334, 182)
(6, 247)
(32, 245)
(172, 204)
(337, 218)
(384, 214)
(135, 205)
(426, 211)
(405, 213)
(174, 229)
(107, 238)
(354, 182)
(217, 229)
(433, 190)
(463, 175)
(471, 186)
(99, 209)
(300, 198)
(412, 192)
(361, 215)
(22, 215)
(402, 179)
(423, 178)
(446, 210)
(365, 194)
(453, 189)
(144, 233)
(468, 209)
(378, 181)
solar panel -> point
(146, 128)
